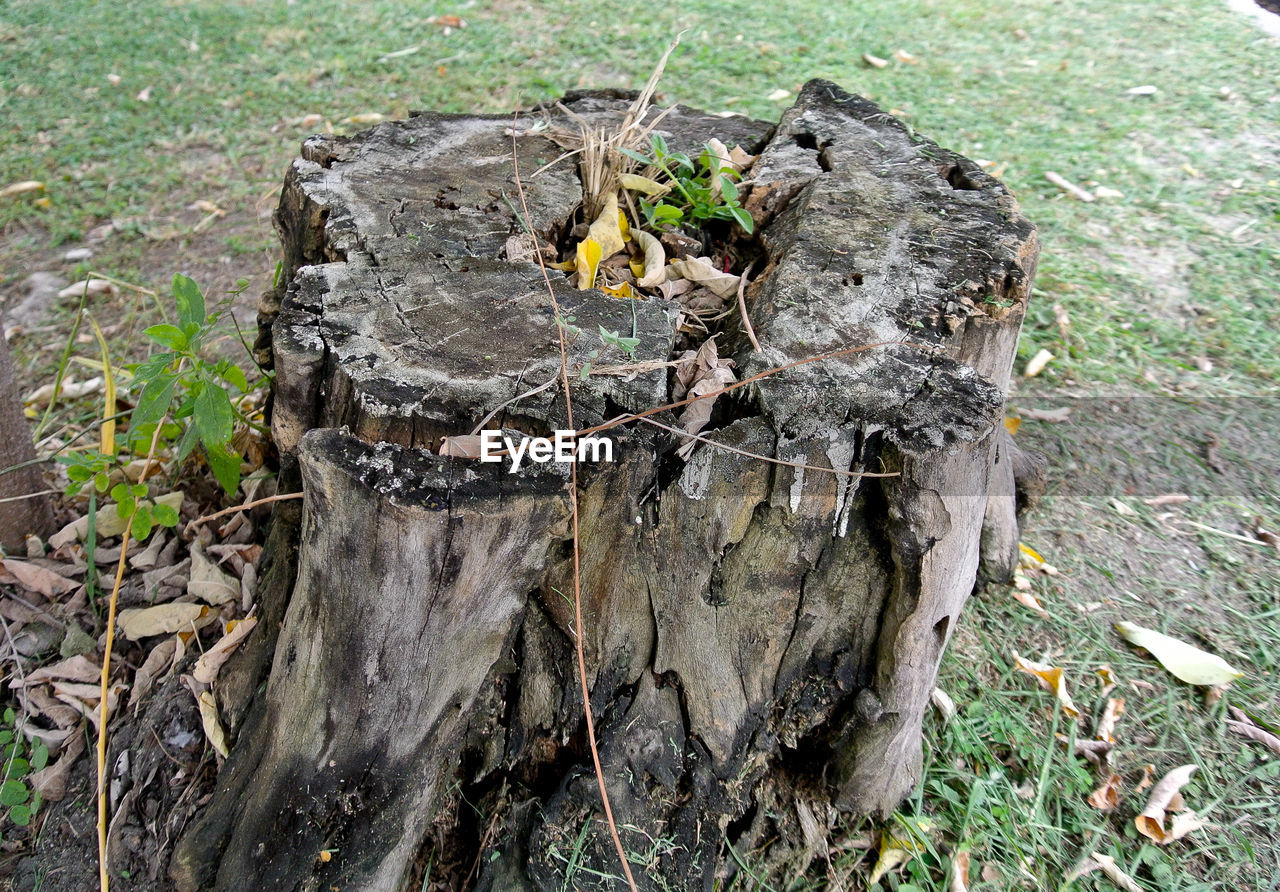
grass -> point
(1170, 292)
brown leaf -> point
(78, 668)
(1052, 415)
(462, 446)
(874, 61)
(1107, 796)
(1051, 679)
(51, 781)
(39, 579)
(703, 272)
(697, 374)
(1172, 498)
(1164, 798)
(1245, 727)
(163, 619)
(212, 724)
(206, 669)
(1115, 874)
(959, 872)
(208, 582)
(1110, 715)
(157, 663)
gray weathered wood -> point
(27, 516)
(755, 633)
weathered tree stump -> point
(762, 640)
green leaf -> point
(234, 376)
(13, 792)
(215, 419)
(101, 481)
(168, 336)
(190, 438)
(743, 218)
(79, 473)
(6, 737)
(124, 507)
(225, 465)
(18, 769)
(121, 491)
(164, 515)
(9, 715)
(636, 156)
(189, 300)
(141, 526)
(659, 144)
(20, 815)
(39, 756)
(728, 190)
(154, 401)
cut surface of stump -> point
(761, 638)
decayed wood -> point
(757, 635)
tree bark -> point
(762, 640)
(22, 517)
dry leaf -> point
(157, 663)
(898, 845)
(1144, 90)
(702, 271)
(21, 188)
(364, 118)
(655, 258)
(462, 446)
(39, 579)
(1107, 796)
(1165, 798)
(635, 183)
(1115, 874)
(905, 58)
(1110, 715)
(70, 390)
(1122, 509)
(778, 95)
(586, 261)
(1060, 414)
(1067, 186)
(79, 668)
(1107, 677)
(51, 781)
(212, 724)
(206, 669)
(1246, 727)
(144, 95)
(1026, 599)
(163, 619)
(208, 582)
(874, 61)
(1012, 424)
(959, 872)
(942, 702)
(698, 374)
(1051, 679)
(1172, 498)
(1037, 364)
(1188, 663)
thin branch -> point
(577, 560)
(742, 307)
(279, 497)
(30, 495)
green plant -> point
(20, 759)
(182, 403)
(708, 190)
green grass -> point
(1182, 269)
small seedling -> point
(708, 190)
(20, 759)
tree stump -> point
(762, 640)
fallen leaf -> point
(959, 872)
(1037, 364)
(1051, 679)
(1052, 415)
(462, 446)
(447, 21)
(1241, 724)
(698, 374)
(212, 724)
(587, 260)
(1115, 874)
(1110, 715)
(655, 259)
(874, 61)
(1026, 599)
(137, 623)
(1183, 661)
(1148, 778)
(606, 229)
(1106, 192)
(1068, 187)
(206, 669)
(39, 579)
(1173, 498)
(635, 183)
(942, 702)
(778, 95)
(157, 663)
(144, 95)
(1165, 797)
(702, 271)
(1122, 509)
(21, 188)
(1144, 90)
(70, 390)
(51, 781)
(108, 521)
(364, 118)
(905, 58)
(79, 668)
(1011, 424)
(1107, 796)
(898, 845)
(208, 582)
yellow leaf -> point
(624, 226)
(212, 724)
(621, 291)
(636, 266)
(586, 261)
(1051, 679)
(567, 266)
(1037, 364)
(900, 844)
(108, 432)
(635, 183)
(1188, 663)
(605, 230)
(1012, 424)
(1031, 553)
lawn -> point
(161, 132)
